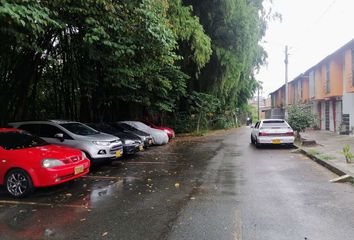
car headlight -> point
(83, 156)
(51, 162)
(102, 143)
(128, 142)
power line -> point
(325, 12)
(318, 19)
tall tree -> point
(235, 28)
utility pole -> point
(258, 101)
(286, 61)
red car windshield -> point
(19, 140)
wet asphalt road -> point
(215, 187)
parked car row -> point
(46, 153)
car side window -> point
(31, 128)
(257, 125)
(49, 131)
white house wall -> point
(348, 107)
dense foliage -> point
(300, 117)
(94, 60)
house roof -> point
(306, 73)
(338, 51)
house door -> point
(339, 112)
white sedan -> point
(272, 131)
(159, 136)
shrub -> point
(347, 154)
(300, 117)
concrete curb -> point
(335, 169)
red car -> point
(169, 131)
(28, 162)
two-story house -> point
(328, 88)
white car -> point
(272, 131)
(159, 137)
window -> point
(79, 129)
(117, 126)
(127, 126)
(102, 127)
(20, 140)
(274, 124)
(353, 67)
(31, 128)
(328, 89)
(50, 131)
(312, 84)
(273, 101)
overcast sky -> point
(313, 29)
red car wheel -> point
(18, 183)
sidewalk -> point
(328, 151)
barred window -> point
(328, 88)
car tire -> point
(18, 183)
(252, 141)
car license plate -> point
(79, 169)
(118, 154)
(141, 148)
(276, 141)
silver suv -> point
(96, 145)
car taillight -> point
(263, 134)
(289, 134)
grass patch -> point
(313, 152)
(322, 156)
(194, 134)
(325, 157)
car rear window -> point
(20, 140)
(127, 126)
(116, 126)
(103, 128)
(274, 124)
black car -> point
(145, 137)
(131, 142)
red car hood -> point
(49, 151)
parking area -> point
(147, 188)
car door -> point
(255, 131)
(31, 128)
(10, 156)
(4, 158)
(48, 132)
